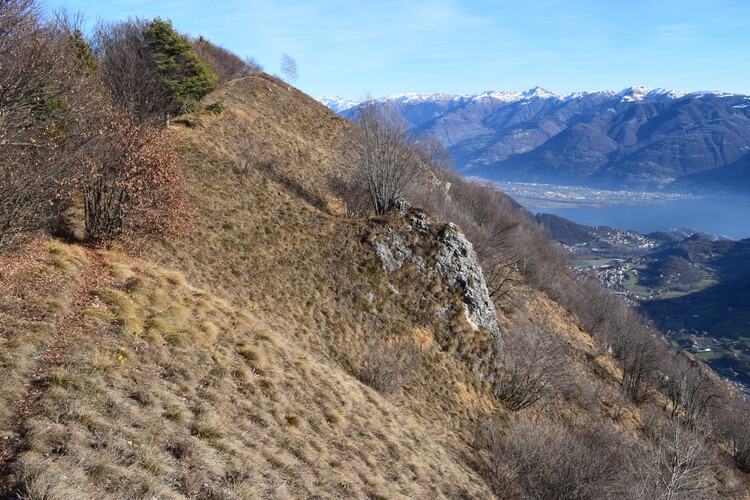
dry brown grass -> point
(223, 364)
(133, 414)
(37, 288)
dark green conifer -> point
(187, 77)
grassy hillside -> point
(229, 363)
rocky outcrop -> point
(451, 262)
(457, 264)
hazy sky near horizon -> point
(352, 48)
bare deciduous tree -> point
(677, 464)
(43, 97)
(692, 392)
(128, 70)
(638, 350)
(733, 425)
(533, 367)
(289, 69)
(383, 156)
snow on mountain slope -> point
(630, 94)
(337, 104)
(638, 137)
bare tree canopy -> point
(45, 95)
(289, 69)
(383, 155)
(224, 63)
(128, 70)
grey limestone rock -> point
(457, 267)
(457, 264)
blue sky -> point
(353, 48)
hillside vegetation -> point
(228, 363)
(268, 342)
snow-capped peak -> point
(631, 94)
(506, 96)
(641, 92)
(541, 93)
(337, 104)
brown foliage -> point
(131, 182)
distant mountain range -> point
(636, 138)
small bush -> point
(386, 367)
(550, 461)
(533, 367)
(216, 108)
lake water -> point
(719, 217)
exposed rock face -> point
(453, 264)
(457, 264)
(393, 251)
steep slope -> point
(230, 363)
(226, 370)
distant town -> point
(534, 195)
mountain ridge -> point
(636, 92)
(635, 138)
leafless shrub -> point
(247, 155)
(386, 367)
(224, 63)
(550, 461)
(677, 464)
(533, 367)
(353, 193)
(382, 156)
